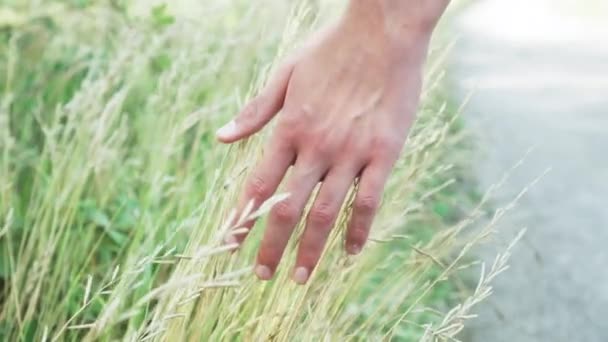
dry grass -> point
(114, 195)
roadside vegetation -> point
(114, 195)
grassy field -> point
(114, 194)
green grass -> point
(114, 193)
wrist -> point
(402, 22)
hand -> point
(347, 101)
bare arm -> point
(347, 101)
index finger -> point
(263, 182)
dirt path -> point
(541, 77)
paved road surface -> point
(540, 71)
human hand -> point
(347, 101)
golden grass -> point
(114, 196)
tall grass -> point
(114, 196)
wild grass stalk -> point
(115, 198)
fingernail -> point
(300, 275)
(353, 249)
(263, 272)
(227, 130)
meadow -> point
(115, 197)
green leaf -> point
(161, 17)
(99, 218)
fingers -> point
(321, 220)
(284, 217)
(365, 205)
(263, 181)
(260, 109)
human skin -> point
(345, 104)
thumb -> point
(260, 110)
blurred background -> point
(538, 74)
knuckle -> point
(324, 145)
(387, 146)
(322, 149)
(285, 212)
(322, 215)
(285, 133)
(258, 188)
(366, 204)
